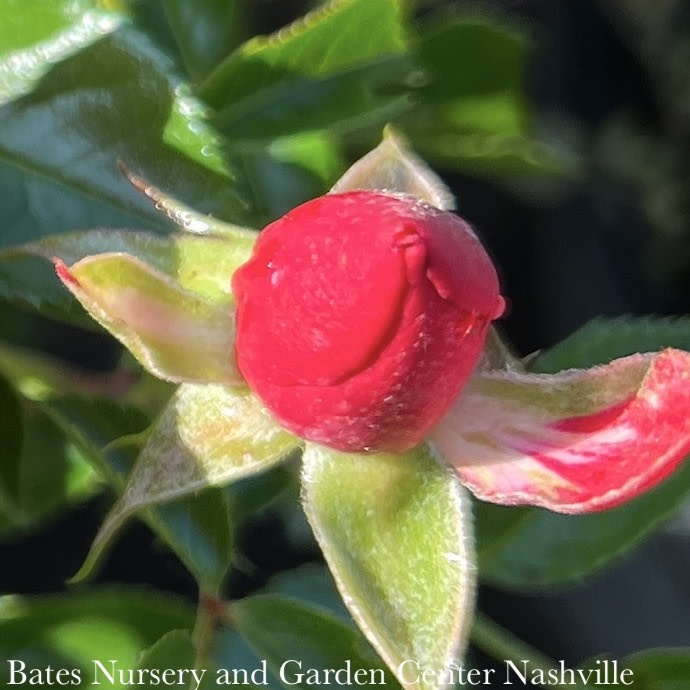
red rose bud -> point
(361, 315)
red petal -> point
(573, 442)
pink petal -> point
(574, 442)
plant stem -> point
(503, 645)
(203, 633)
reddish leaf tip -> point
(64, 273)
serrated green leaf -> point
(118, 99)
(604, 339)
(295, 638)
(72, 630)
(173, 332)
(331, 39)
(329, 68)
(393, 167)
(35, 34)
(365, 96)
(394, 531)
(207, 435)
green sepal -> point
(396, 535)
(208, 435)
(173, 332)
(393, 167)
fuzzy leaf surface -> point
(198, 528)
(173, 332)
(208, 435)
(395, 534)
(393, 167)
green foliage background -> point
(243, 128)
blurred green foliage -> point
(244, 128)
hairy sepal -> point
(175, 333)
(395, 530)
(574, 442)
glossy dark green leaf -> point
(34, 207)
(329, 40)
(75, 629)
(527, 548)
(119, 99)
(200, 530)
(294, 638)
(35, 34)
(362, 97)
(604, 339)
(328, 69)
(206, 31)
